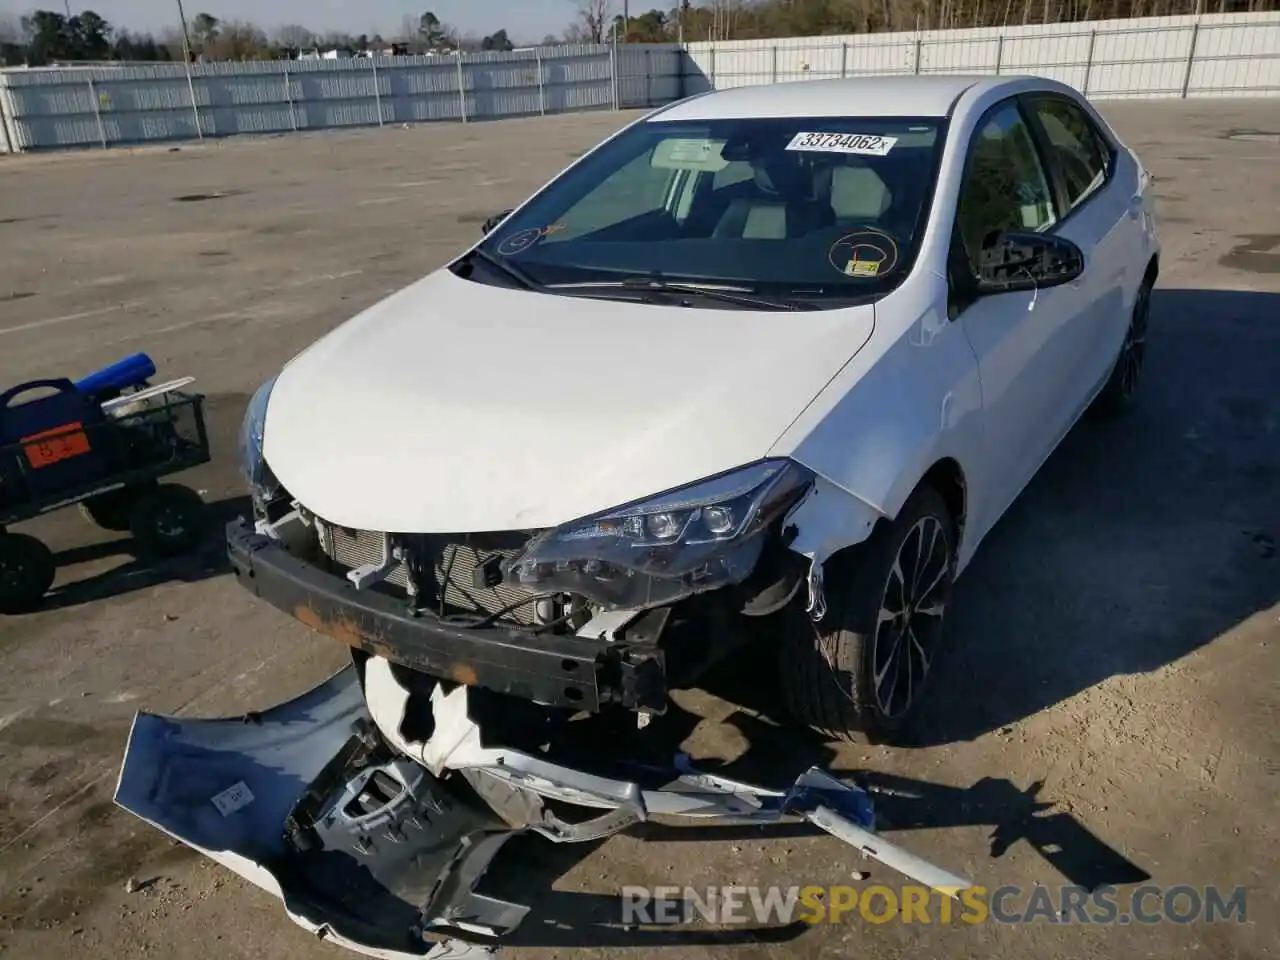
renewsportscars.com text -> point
(724, 906)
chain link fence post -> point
(288, 94)
(1191, 58)
(844, 61)
(542, 86)
(999, 52)
(462, 88)
(613, 70)
(9, 145)
(773, 68)
(195, 107)
(1088, 63)
(97, 112)
(377, 87)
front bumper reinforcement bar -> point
(553, 669)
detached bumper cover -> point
(557, 670)
(395, 875)
(226, 788)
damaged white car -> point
(589, 458)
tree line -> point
(689, 21)
(45, 36)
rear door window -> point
(1076, 147)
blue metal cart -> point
(101, 444)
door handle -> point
(1136, 206)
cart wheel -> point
(168, 520)
(114, 510)
(26, 572)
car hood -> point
(455, 406)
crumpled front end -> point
(376, 832)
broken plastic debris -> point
(328, 805)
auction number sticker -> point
(861, 144)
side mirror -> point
(493, 221)
(1015, 260)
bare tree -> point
(10, 29)
(295, 36)
(593, 16)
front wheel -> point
(862, 672)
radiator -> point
(354, 548)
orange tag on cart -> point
(53, 446)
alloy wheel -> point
(1135, 343)
(909, 623)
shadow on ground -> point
(1139, 541)
(142, 572)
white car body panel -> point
(998, 388)
(455, 406)
(459, 407)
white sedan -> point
(590, 456)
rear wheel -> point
(27, 569)
(168, 520)
(1117, 395)
(862, 672)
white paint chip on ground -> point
(235, 797)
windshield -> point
(804, 207)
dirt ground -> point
(1109, 714)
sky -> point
(523, 19)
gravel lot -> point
(1110, 713)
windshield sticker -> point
(689, 154)
(520, 241)
(864, 254)
(861, 144)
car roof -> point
(912, 95)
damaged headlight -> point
(698, 538)
(253, 466)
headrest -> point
(858, 193)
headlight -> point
(698, 538)
(252, 465)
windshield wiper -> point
(503, 266)
(725, 293)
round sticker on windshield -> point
(864, 254)
(520, 242)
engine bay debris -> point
(379, 839)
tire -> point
(27, 570)
(112, 511)
(829, 668)
(168, 520)
(1117, 394)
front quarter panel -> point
(910, 398)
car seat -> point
(782, 204)
(856, 193)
